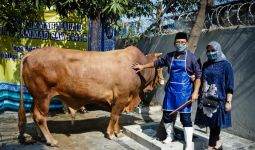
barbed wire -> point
(227, 15)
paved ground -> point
(88, 132)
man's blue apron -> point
(179, 87)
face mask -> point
(180, 47)
(212, 55)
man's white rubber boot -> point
(170, 132)
(188, 135)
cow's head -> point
(157, 74)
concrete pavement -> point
(88, 132)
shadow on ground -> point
(63, 125)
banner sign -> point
(51, 30)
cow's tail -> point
(22, 112)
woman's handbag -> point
(209, 102)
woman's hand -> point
(137, 67)
(228, 106)
(228, 102)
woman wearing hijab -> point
(214, 104)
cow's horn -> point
(158, 54)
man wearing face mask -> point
(218, 86)
(180, 87)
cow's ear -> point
(158, 54)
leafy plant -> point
(108, 11)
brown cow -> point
(81, 77)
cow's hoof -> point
(120, 134)
(21, 139)
(83, 110)
(53, 144)
(31, 141)
(110, 136)
(39, 139)
(42, 139)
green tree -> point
(181, 6)
(105, 12)
(11, 11)
(169, 6)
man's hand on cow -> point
(137, 67)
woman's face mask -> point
(213, 55)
